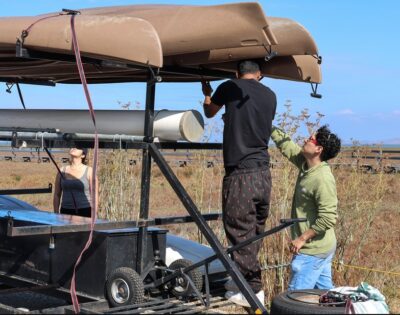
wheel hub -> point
(120, 291)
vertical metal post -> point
(146, 172)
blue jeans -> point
(311, 272)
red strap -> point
(26, 31)
(82, 76)
(349, 308)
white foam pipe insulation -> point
(169, 125)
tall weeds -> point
(119, 185)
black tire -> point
(124, 287)
(180, 286)
(302, 302)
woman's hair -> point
(84, 158)
(329, 141)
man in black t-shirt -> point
(249, 110)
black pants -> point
(245, 205)
(83, 212)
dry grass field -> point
(367, 230)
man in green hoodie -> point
(315, 198)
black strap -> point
(20, 95)
(54, 162)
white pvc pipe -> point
(171, 125)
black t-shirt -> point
(250, 109)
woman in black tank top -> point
(72, 191)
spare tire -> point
(303, 302)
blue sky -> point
(357, 39)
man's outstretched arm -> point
(288, 148)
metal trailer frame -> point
(150, 152)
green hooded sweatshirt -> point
(315, 198)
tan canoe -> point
(98, 36)
(186, 43)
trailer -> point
(125, 270)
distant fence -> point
(372, 160)
(365, 159)
(38, 159)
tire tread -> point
(134, 281)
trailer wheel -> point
(303, 302)
(180, 285)
(124, 287)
